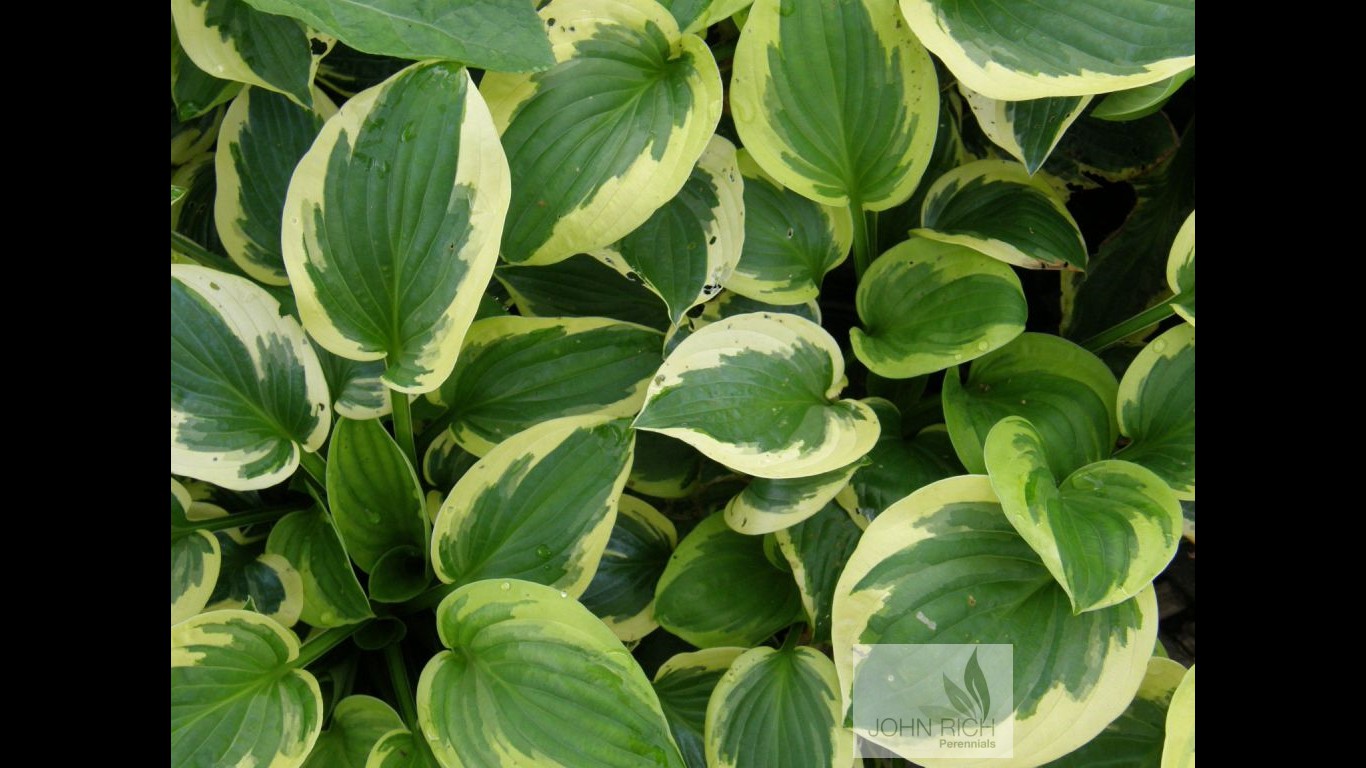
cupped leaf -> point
(778, 708)
(1028, 129)
(1135, 737)
(516, 372)
(533, 678)
(1133, 103)
(193, 90)
(1178, 749)
(489, 34)
(836, 101)
(1156, 407)
(235, 699)
(1104, 532)
(664, 467)
(609, 134)
(1057, 47)
(897, 465)
(713, 560)
(997, 208)
(392, 220)
(378, 506)
(540, 506)
(684, 684)
(233, 41)
(445, 462)
(260, 142)
(944, 565)
(622, 592)
(756, 392)
(358, 723)
(790, 242)
(818, 549)
(402, 749)
(357, 389)
(688, 248)
(332, 596)
(926, 305)
(1067, 393)
(767, 505)
(247, 392)
(195, 560)
(266, 583)
(1181, 270)
(582, 286)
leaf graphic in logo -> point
(957, 697)
(976, 683)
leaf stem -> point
(239, 520)
(427, 600)
(793, 635)
(323, 642)
(403, 426)
(862, 242)
(1110, 336)
(403, 688)
(315, 466)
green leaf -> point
(445, 462)
(790, 241)
(540, 506)
(379, 508)
(260, 142)
(402, 749)
(664, 467)
(714, 560)
(1029, 129)
(347, 71)
(1178, 749)
(582, 286)
(1105, 532)
(176, 193)
(609, 134)
(1133, 103)
(689, 246)
(516, 372)
(897, 465)
(332, 595)
(247, 392)
(193, 90)
(189, 140)
(1181, 270)
(778, 708)
(767, 505)
(728, 304)
(697, 15)
(1057, 47)
(235, 699)
(392, 221)
(1111, 151)
(818, 549)
(533, 678)
(195, 562)
(1067, 393)
(231, 40)
(684, 684)
(944, 565)
(927, 305)
(358, 723)
(997, 208)
(489, 34)
(1135, 737)
(852, 126)
(357, 389)
(266, 583)
(756, 392)
(622, 592)
(1156, 407)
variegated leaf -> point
(767, 505)
(664, 467)
(358, 392)
(622, 592)
(1135, 737)
(697, 15)
(1178, 749)
(1028, 129)
(1156, 408)
(233, 41)
(193, 90)
(684, 684)
(818, 548)
(358, 724)
(195, 562)
(1133, 103)
(332, 596)
(582, 286)
(1181, 270)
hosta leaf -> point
(379, 508)
(697, 15)
(756, 392)
(392, 222)
(1111, 151)
(445, 462)
(357, 389)
(927, 305)
(489, 34)
(1028, 129)
(347, 71)
(685, 683)
(1133, 103)
(268, 584)
(778, 708)
(713, 560)
(1057, 47)
(1104, 532)
(533, 678)
(1156, 407)
(1135, 737)
(898, 465)
(247, 392)
(233, 41)
(997, 208)
(664, 467)
(193, 215)
(516, 372)
(234, 698)
(1181, 270)
(1067, 393)
(332, 596)
(836, 101)
(622, 592)
(260, 142)
(728, 304)
(402, 749)
(195, 559)
(688, 248)
(609, 134)
(358, 723)
(944, 565)
(767, 505)
(582, 286)
(1178, 749)
(540, 506)
(193, 90)
(790, 242)
(189, 139)
(818, 549)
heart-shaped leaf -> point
(332, 595)
(622, 592)
(897, 465)
(1156, 408)
(685, 683)
(358, 723)
(1134, 738)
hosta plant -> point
(582, 383)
